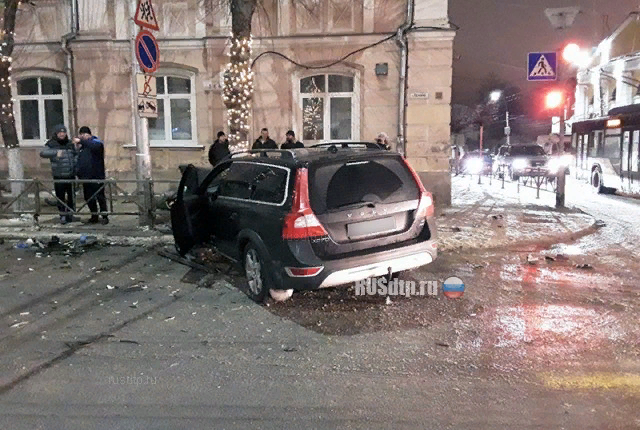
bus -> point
(607, 150)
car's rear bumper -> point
(349, 270)
(378, 268)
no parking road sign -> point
(147, 51)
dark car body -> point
(522, 160)
(315, 217)
(477, 162)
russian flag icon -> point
(453, 288)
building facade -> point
(84, 77)
(612, 77)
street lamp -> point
(495, 96)
(575, 55)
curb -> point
(132, 240)
(104, 239)
(540, 242)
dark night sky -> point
(496, 35)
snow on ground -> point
(486, 216)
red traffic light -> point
(554, 99)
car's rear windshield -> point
(342, 184)
(531, 150)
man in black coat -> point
(291, 142)
(91, 166)
(219, 149)
(264, 141)
(63, 156)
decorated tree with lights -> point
(7, 119)
(238, 77)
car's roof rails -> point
(334, 145)
(265, 152)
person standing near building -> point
(383, 140)
(291, 142)
(63, 156)
(219, 149)
(264, 141)
(91, 166)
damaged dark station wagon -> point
(308, 218)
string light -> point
(6, 48)
(238, 91)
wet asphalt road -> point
(121, 338)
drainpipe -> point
(69, 71)
(403, 86)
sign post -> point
(145, 57)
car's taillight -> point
(303, 272)
(425, 207)
(301, 222)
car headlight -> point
(520, 164)
(475, 166)
(555, 165)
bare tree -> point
(7, 119)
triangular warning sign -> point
(146, 16)
(542, 69)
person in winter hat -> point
(291, 142)
(219, 149)
(91, 166)
(63, 156)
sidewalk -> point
(121, 230)
(488, 217)
(482, 217)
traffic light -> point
(554, 99)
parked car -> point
(522, 160)
(477, 163)
(308, 218)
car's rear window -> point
(340, 184)
(532, 150)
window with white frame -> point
(40, 105)
(329, 108)
(176, 121)
(317, 16)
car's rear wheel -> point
(255, 272)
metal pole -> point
(143, 157)
(508, 130)
(481, 135)
(560, 190)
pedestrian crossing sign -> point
(542, 66)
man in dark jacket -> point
(264, 141)
(291, 142)
(219, 149)
(63, 156)
(91, 166)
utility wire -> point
(364, 48)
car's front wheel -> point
(255, 272)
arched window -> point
(328, 105)
(40, 106)
(176, 121)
